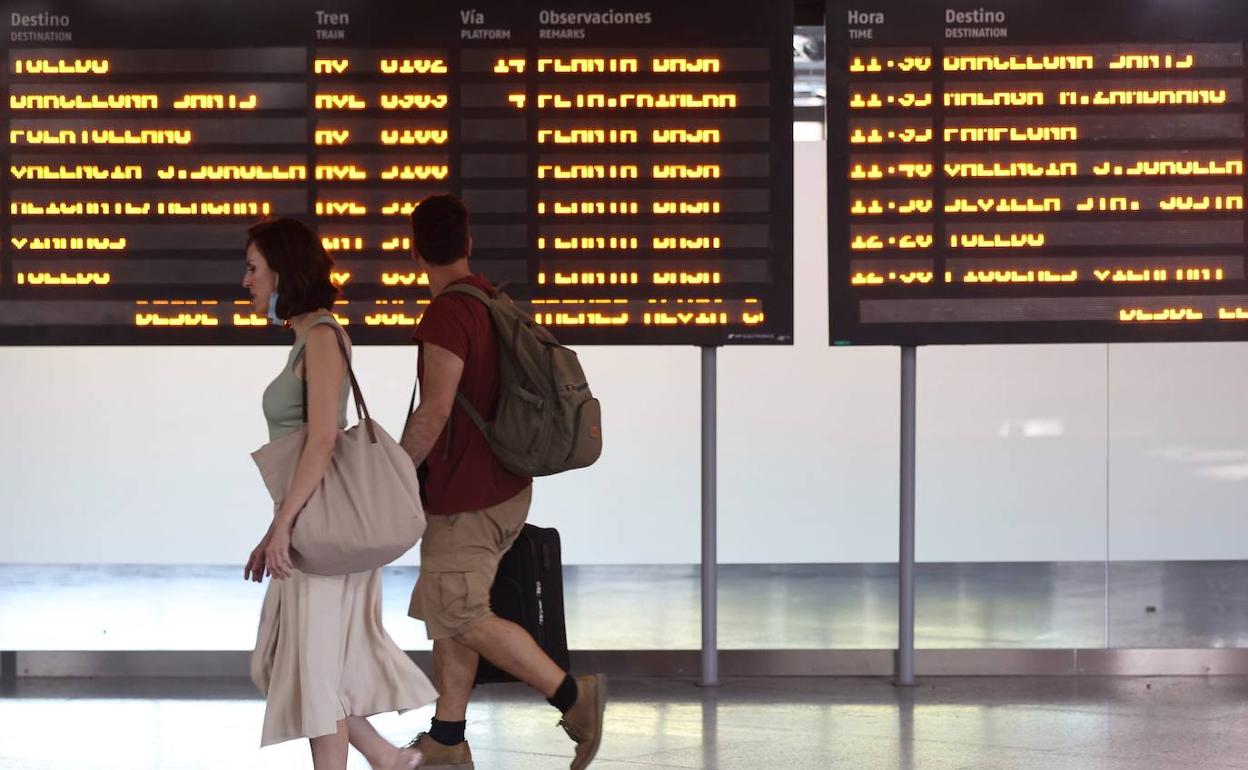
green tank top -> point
(283, 398)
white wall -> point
(1178, 453)
(139, 455)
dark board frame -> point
(681, 27)
(1049, 23)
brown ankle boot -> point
(583, 722)
(439, 757)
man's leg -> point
(582, 701)
(444, 746)
(509, 647)
(454, 666)
(454, 669)
(459, 560)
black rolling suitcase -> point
(528, 590)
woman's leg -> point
(380, 753)
(329, 752)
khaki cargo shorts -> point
(459, 556)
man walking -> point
(475, 506)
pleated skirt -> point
(322, 655)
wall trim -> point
(686, 663)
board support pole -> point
(710, 515)
(905, 561)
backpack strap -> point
(471, 291)
(459, 399)
(473, 414)
(485, 299)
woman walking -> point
(322, 657)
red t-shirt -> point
(465, 476)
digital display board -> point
(628, 167)
(1036, 171)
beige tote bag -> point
(366, 512)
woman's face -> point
(259, 280)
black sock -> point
(447, 733)
(565, 697)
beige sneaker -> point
(583, 722)
(439, 757)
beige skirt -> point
(322, 655)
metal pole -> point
(710, 583)
(905, 588)
(8, 667)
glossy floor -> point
(754, 724)
(849, 606)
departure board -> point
(628, 167)
(1051, 171)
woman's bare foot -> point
(404, 759)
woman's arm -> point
(324, 369)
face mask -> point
(273, 309)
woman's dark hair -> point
(303, 267)
(440, 229)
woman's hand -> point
(254, 570)
(277, 548)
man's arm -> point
(443, 370)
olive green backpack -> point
(547, 420)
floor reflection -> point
(777, 724)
